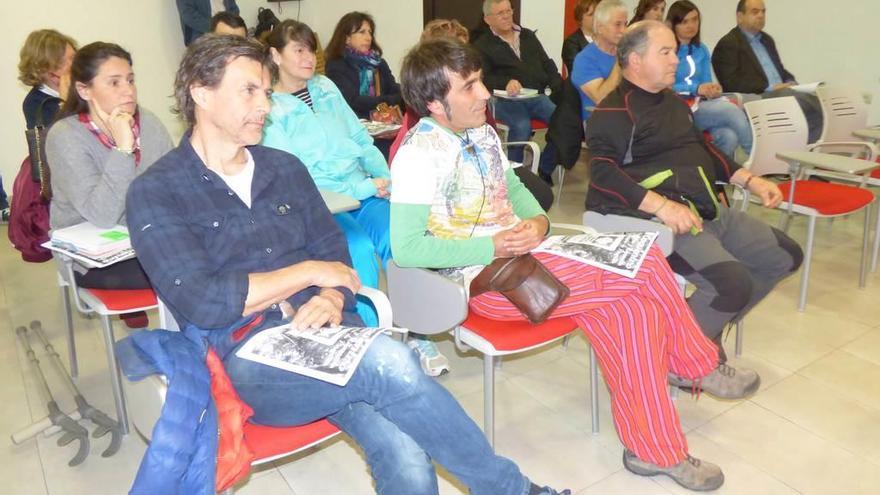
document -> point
(618, 252)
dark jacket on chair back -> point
(736, 65)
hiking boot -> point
(433, 362)
(546, 490)
(724, 382)
(690, 473)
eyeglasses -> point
(503, 13)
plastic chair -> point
(428, 303)
(105, 303)
(268, 443)
(780, 144)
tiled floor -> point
(814, 427)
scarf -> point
(366, 64)
(107, 141)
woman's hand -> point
(382, 187)
(709, 90)
(119, 124)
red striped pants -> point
(641, 329)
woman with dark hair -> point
(583, 35)
(100, 143)
(648, 10)
(724, 121)
(355, 64)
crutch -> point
(103, 422)
(72, 429)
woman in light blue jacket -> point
(726, 123)
(310, 119)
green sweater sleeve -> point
(412, 247)
(524, 204)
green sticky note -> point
(114, 235)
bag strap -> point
(40, 122)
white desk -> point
(826, 161)
(338, 203)
(871, 133)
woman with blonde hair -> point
(44, 65)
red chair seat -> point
(267, 441)
(828, 198)
(537, 125)
(120, 300)
(514, 335)
(875, 174)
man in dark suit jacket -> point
(195, 16)
(513, 59)
(746, 61)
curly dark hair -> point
(204, 64)
(348, 25)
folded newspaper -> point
(618, 252)
(330, 354)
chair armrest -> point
(381, 304)
(536, 152)
(829, 147)
(826, 161)
(622, 223)
(424, 301)
(583, 229)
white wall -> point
(836, 43)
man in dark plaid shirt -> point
(236, 238)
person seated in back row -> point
(228, 23)
(236, 239)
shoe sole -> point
(749, 392)
(648, 472)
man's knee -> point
(725, 139)
(393, 360)
(733, 285)
(791, 248)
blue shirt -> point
(760, 51)
(591, 63)
(694, 69)
(197, 241)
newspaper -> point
(102, 261)
(330, 354)
(618, 252)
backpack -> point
(29, 217)
(266, 22)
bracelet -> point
(746, 183)
(665, 200)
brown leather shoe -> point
(690, 473)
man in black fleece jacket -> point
(513, 59)
(649, 160)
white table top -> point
(872, 133)
(828, 161)
(338, 203)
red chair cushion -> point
(514, 335)
(828, 198)
(268, 441)
(120, 300)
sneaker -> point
(724, 382)
(691, 473)
(546, 490)
(4, 215)
(434, 363)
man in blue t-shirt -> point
(595, 72)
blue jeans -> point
(517, 116)
(366, 231)
(727, 124)
(401, 418)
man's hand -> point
(522, 238)
(768, 191)
(382, 186)
(777, 87)
(324, 308)
(709, 90)
(679, 217)
(513, 87)
(333, 274)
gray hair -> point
(603, 12)
(487, 6)
(635, 40)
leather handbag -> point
(525, 282)
(36, 141)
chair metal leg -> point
(863, 260)
(785, 221)
(71, 339)
(594, 391)
(739, 338)
(808, 258)
(115, 374)
(565, 341)
(876, 237)
(673, 392)
(489, 399)
(561, 171)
